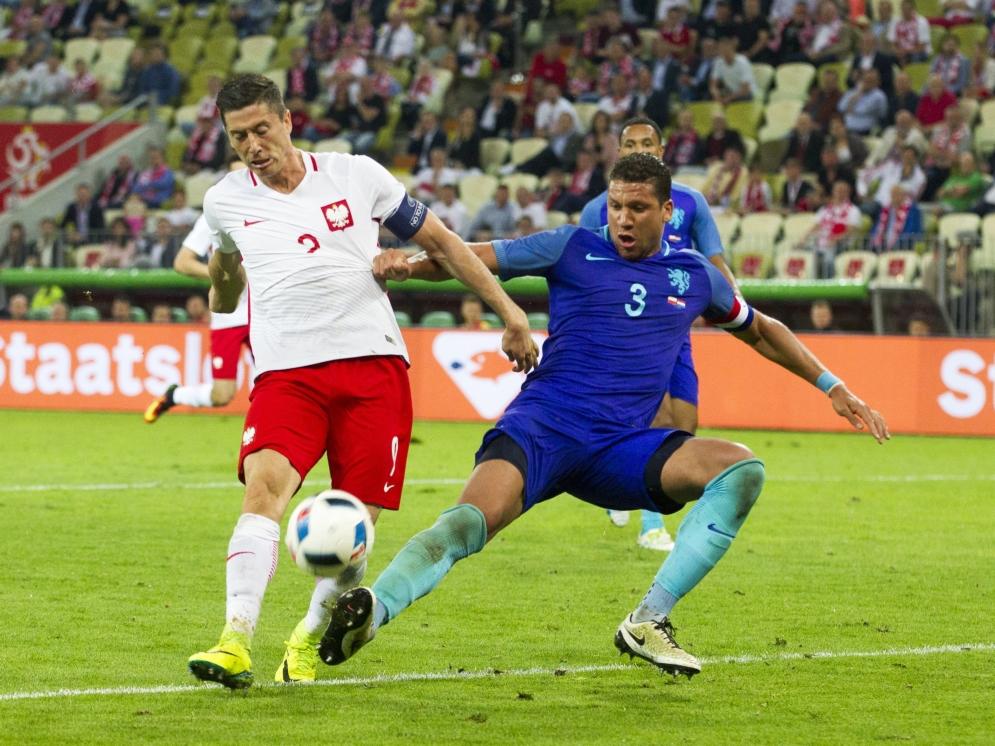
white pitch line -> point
(515, 673)
(441, 481)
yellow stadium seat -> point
(898, 267)
(110, 73)
(795, 265)
(917, 72)
(969, 36)
(87, 112)
(196, 187)
(763, 74)
(727, 224)
(333, 145)
(476, 190)
(185, 48)
(13, 113)
(780, 117)
(702, 113)
(955, 223)
(984, 139)
(493, 152)
(220, 52)
(254, 53)
(794, 77)
(49, 114)
(514, 181)
(856, 265)
(527, 147)
(80, 49)
(555, 218)
(586, 112)
(987, 110)
(116, 49)
(694, 179)
(279, 76)
(759, 231)
(779, 94)
(797, 226)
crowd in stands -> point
(874, 118)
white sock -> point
(194, 396)
(252, 554)
(326, 593)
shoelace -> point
(664, 626)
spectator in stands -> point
(38, 42)
(58, 311)
(197, 309)
(18, 20)
(865, 107)
(395, 39)
(302, 76)
(683, 147)
(957, 12)
(618, 101)
(850, 147)
(756, 196)
(617, 62)
(420, 91)
(552, 188)
(498, 113)
(987, 204)
(495, 216)
(586, 182)
(17, 308)
(471, 313)
(81, 19)
(436, 46)
(524, 227)
(118, 183)
(718, 24)
(14, 83)
(158, 250)
(549, 109)
(362, 32)
(206, 147)
(665, 74)
(732, 75)
(84, 85)
(49, 247)
(792, 33)
(159, 78)
(946, 142)
(981, 76)
(369, 114)
(909, 35)
(323, 36)
(600, 137)
(429, 179)
(726, 179)
(676, 36)
(824, 99)
(698, 76)
(965, 186)
(821, 315)
(836, 223)
(870, 57)
(156, 183)
(526, 203)
(450, 210)
(805, 143)
(121, 309)
(16, 251)
(472, 47)
(649, 101)
(83, 216)
(181, 215)
(886, 175)
(120, 247)
(50, 82)
(336, 119)
(903, 98)
(831, 39)
(952, 66)
(464, 149)
(131, 82)
(894, 139)
(918, 326)
(934, 104)
(832, 170)
(881, 24)
(719, 140)
(425, 137)
(161, 314)
(564, 144)
(899, 223)
(754, 34)
(546, 67)
(796, 192)
(384, 83)
(112, 19)
(252, 17)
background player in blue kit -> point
(620, 307)
(691, 226)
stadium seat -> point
(84, 313)
(39, 314)
(12, 48)
(797, 226)
(752, 264)
(526, 147)
(983, 258)
(744, 117)
(443, 79)
(13, 113)
(116, 50)
(987, 110)
(856, 265)
(492, 320)
(287, 44)
(80, 49)
(514, 181)
(763, 74)
(179, 315)
(842, 70)
(586, 111)
(794, 78)
(955, 223)
(186, 47)
(196, 187)
(727, 224)
(759, 231)
(185, 115)
(278, 76)
(87, 112)
(647, 38)
(555, 218)
(969, 36)
(254, 53)
(694, 179)
(898, 267)
(333, 145)
(403, 319)
(970, 108)
(538, 320)
(109, 72)
(785, 95)
(220, 52)
(917, 72)
(772, 149)
(137, 313)
(702, 113)
(89, 255)
(493, 152)
(780, 117)
(795, 265)
(476, 190)
(49, 114)
(438, 320)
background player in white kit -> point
(229, 332)
(331, 364)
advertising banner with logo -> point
(27, 149)
(937, 386)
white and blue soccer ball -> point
(329, 533)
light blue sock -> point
(424, 561)
(705, 534)
(650, 520)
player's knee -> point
(747, 479)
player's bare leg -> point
(491, 500)
(726, 480)
(270, 482)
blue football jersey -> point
(616, 326)
(691, 227)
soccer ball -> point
(329, 532)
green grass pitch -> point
(880, 557)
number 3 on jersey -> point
(638, 300)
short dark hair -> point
(246, 89)
(643, 168)
(636, 121)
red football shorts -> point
(226, 346)
(356, 410)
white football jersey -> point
(308, 257)
(198, 240)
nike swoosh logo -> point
(716, 529)
(637, 640)
(593, 258)
(388, 487)
(253, 222)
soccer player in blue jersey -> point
(691, 226)
(620, 308)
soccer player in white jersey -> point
(301, 229)
(229, 332)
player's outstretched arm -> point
(227, 281)
(188, 263)
(777, 343)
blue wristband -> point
(826, 381)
